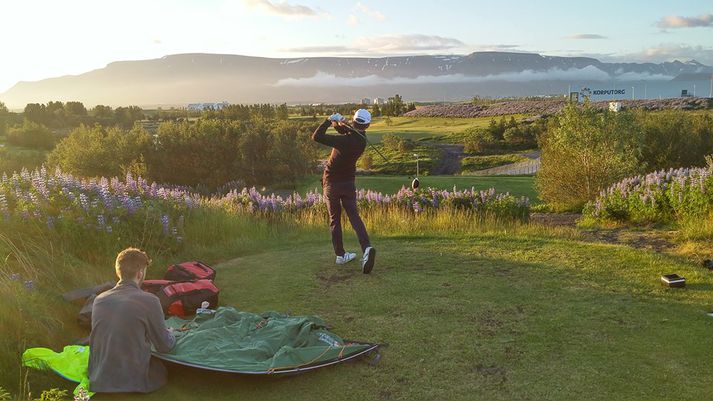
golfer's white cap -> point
(362, 116)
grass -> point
(516, 185)
(13, 158)
(475, 163)
(499, 314)
(422, 128)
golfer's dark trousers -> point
(343, 195)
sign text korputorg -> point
(608, 92)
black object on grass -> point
(708, 264)
(673, 280)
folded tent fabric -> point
(244, 342)
(228, 340)
(72, 364)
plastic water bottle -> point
(205, 309)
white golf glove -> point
(336, 117)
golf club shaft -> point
(372, 146)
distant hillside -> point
(549, 106)
(186, 78)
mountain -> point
(188, 78)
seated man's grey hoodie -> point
(126, 321)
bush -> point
(675, 138)
(479, 140)
(397, 143)
(97, 151)
(31, 135)
(366, 161)
(15, 161)
(584, 152)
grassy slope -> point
(423, 127)
(519, 186)
(479, 316)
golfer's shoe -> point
(346, 258)
(367, 262)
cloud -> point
(672, 21)
(323, 79)
(365, 10)
(672, 52)
(282, 8)
(407, 43)
(643, 76)
(319, 49)
(386, 45)
(658, 54)
(586, 36)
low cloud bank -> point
(589, 73)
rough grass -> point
(511, 313)
(421, 128)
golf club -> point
(415, 183)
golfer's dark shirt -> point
(125, 322)
(346, 150)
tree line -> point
(206, 154)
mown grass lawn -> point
(516, 185)
(500, 316)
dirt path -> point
(449, 162)
(654, 240)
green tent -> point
(228, 341)
(250, 343)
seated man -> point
(125, 322)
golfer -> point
(126, 321)
(338, 182)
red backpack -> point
(189, 271)
(183, 298)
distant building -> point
(207, 106)
(366, 100)
(684, 93)
(379, 100)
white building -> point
(379, 100)
(207, 106)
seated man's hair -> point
(130, 261)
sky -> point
(50, 38)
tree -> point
(75, 109)
(394, 106)
(585, 151)
(3, 110)
(36, 112)
(282, 113)
(376, 111)
(127, 116)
